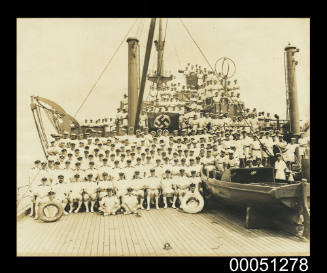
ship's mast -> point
(160, 48)
(159, 77)
(133, 83)
(292, 97)
(144, 73)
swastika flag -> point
(164, 120)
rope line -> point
(40, 136)
(106, 66)
(39, 114)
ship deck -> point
(210, 233)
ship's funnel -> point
(133, 79)
(292, 104)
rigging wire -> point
(39, 133)
(30, 183)
(250, 126)
(106, 66)
(42, 127)
(51, 116)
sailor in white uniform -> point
(129, 202)
(280, 169)
(39, 193)
(62, 190)
(109, 204)
(168, 188)
(153, 189)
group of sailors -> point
(121, 173)
(130, 171)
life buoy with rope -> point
(50, 211)
(192, 202)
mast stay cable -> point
(250, 126)
(104, 69)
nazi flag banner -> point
(169, 121)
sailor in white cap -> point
(109, 204)
(182, 183)
(129, 202)
(289, 155)
(302, 145)
(256, 148)
(38, 193)
(65, 139)
(232, 162)
(280, 169)
(153, 187)
(62, 190)
(139, 186)
(168, 188)
(44, 172)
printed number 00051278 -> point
(265, 264)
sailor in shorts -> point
(90, 194)
(182, 183)
(139, 187)
(168, 188)
(122, 185)
(129, 202)
(39, 193)
(109, 204)
(81, 193)
(62, 190)
(153, 189)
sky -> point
(61, 58)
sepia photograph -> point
(144, 137)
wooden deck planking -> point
(94, 245)
(112, 243)
(125, 247)
(266, 237)
(142, 240)
(76, 234)
(211, 233)
(147, 236)
(166, 233)
(87, 249)
(129, 239)
(252, 237)
(29, 237)
(81, 234)
(60, 239)
(198, 235)
(106, 242)
(149, 218)
(22, 233)
(40, 238)
(269, 235)
(50, 239)
(133, 237)
(118, 246)
(215, 240)
(238, 231)
(242, 242)
(183, 246)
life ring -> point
(192, 202)
(56, 211)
